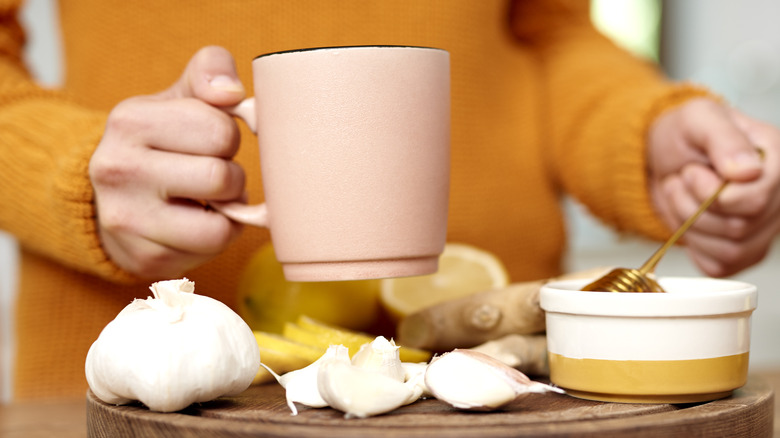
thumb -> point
(730, 150)
(211, 77)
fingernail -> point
(745, 161)
(226, 83)
(688, 177)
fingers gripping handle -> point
(256, 215)
(246, 112)
(246, 214)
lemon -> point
(306, 340)
(279, 361)
(266, 300)
(287, 346)
(351, 340)
(463, 270)
(320, 335)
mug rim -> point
(359, 46)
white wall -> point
(43, 57)
(732, 46)
(8, 259)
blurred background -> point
(732, 47)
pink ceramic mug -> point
(355, 156)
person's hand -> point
(158, 155)
(695, 147)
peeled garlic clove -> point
(381, 356)
(359, 392)
(414, 376)
(475, 381)
(301, 385)
(417, 389)
(172, 350)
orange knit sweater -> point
(541, 104)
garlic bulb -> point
(471, 380)
(301, 385)
(172, 350)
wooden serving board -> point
(261, 412)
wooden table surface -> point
(67, 418)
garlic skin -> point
(470, 380)
(172, 350)
(360, 392)
(301, 385)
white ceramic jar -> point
(690, 344)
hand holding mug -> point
(354, 147)
(158, 154)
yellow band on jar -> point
(648, 381)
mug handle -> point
(256, 215)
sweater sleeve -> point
(46, 140)
(602, 102)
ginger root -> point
(481, 317)
(527, 353)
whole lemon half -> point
(266, 300)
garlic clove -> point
(381, 356)
(417, 389)
(301, 385)
(414, 376)
(471, 380)
(360, 392)
(413, 370)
